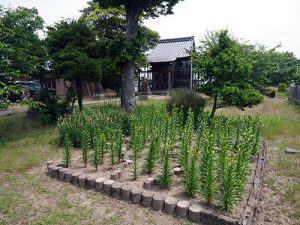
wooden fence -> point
(294, 93)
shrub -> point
(282, 87)
(268, 92)
(53, 108)
(186, 99)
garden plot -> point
(161, 154)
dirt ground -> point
(177, 188)
(273, 207)
(28, 196)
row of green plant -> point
(104, 118)
(214, 154)
(218, 165)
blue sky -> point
(268, 22)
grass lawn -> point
(27, 196)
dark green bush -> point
(282, 87)
(186, 99)
(268, 92)
(53, 108)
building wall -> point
(61, 88)
(179, 72)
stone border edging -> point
(169, 205)
(253, 199)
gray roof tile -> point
(169, 50)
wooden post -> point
(191, 78)
(169, 81)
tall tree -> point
(270, 66)
(225, 71)
(135, 10)
(74, 54)
(283, 67)
(21, 50)
(109, 25)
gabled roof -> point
(168, 50)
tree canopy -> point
(21, 50)
(225, 71)
(134, 11)
(270, 66)
(109, 25)
(147, 8)
(74, 54)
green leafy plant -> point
(102, 142)
(119, 144)
(282, 87)
(86, 143)
(256, 140)
(97, 151)
(227, 184)
(223, 64)
(113, 149)
(186, 100)
(191, 176)
(152, 154)
(173, 127)
(53, 108)
(186, 140)
(268, 92)
(207, 169)
(165, 179)
(67, 151)
(242, 161)
(136, 145)
(226, 173)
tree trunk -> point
(127, 84)
(127, 87)
(79, 92)
(214, 107)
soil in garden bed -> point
(177, 188)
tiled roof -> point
(168, 50)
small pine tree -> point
(67, 151)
